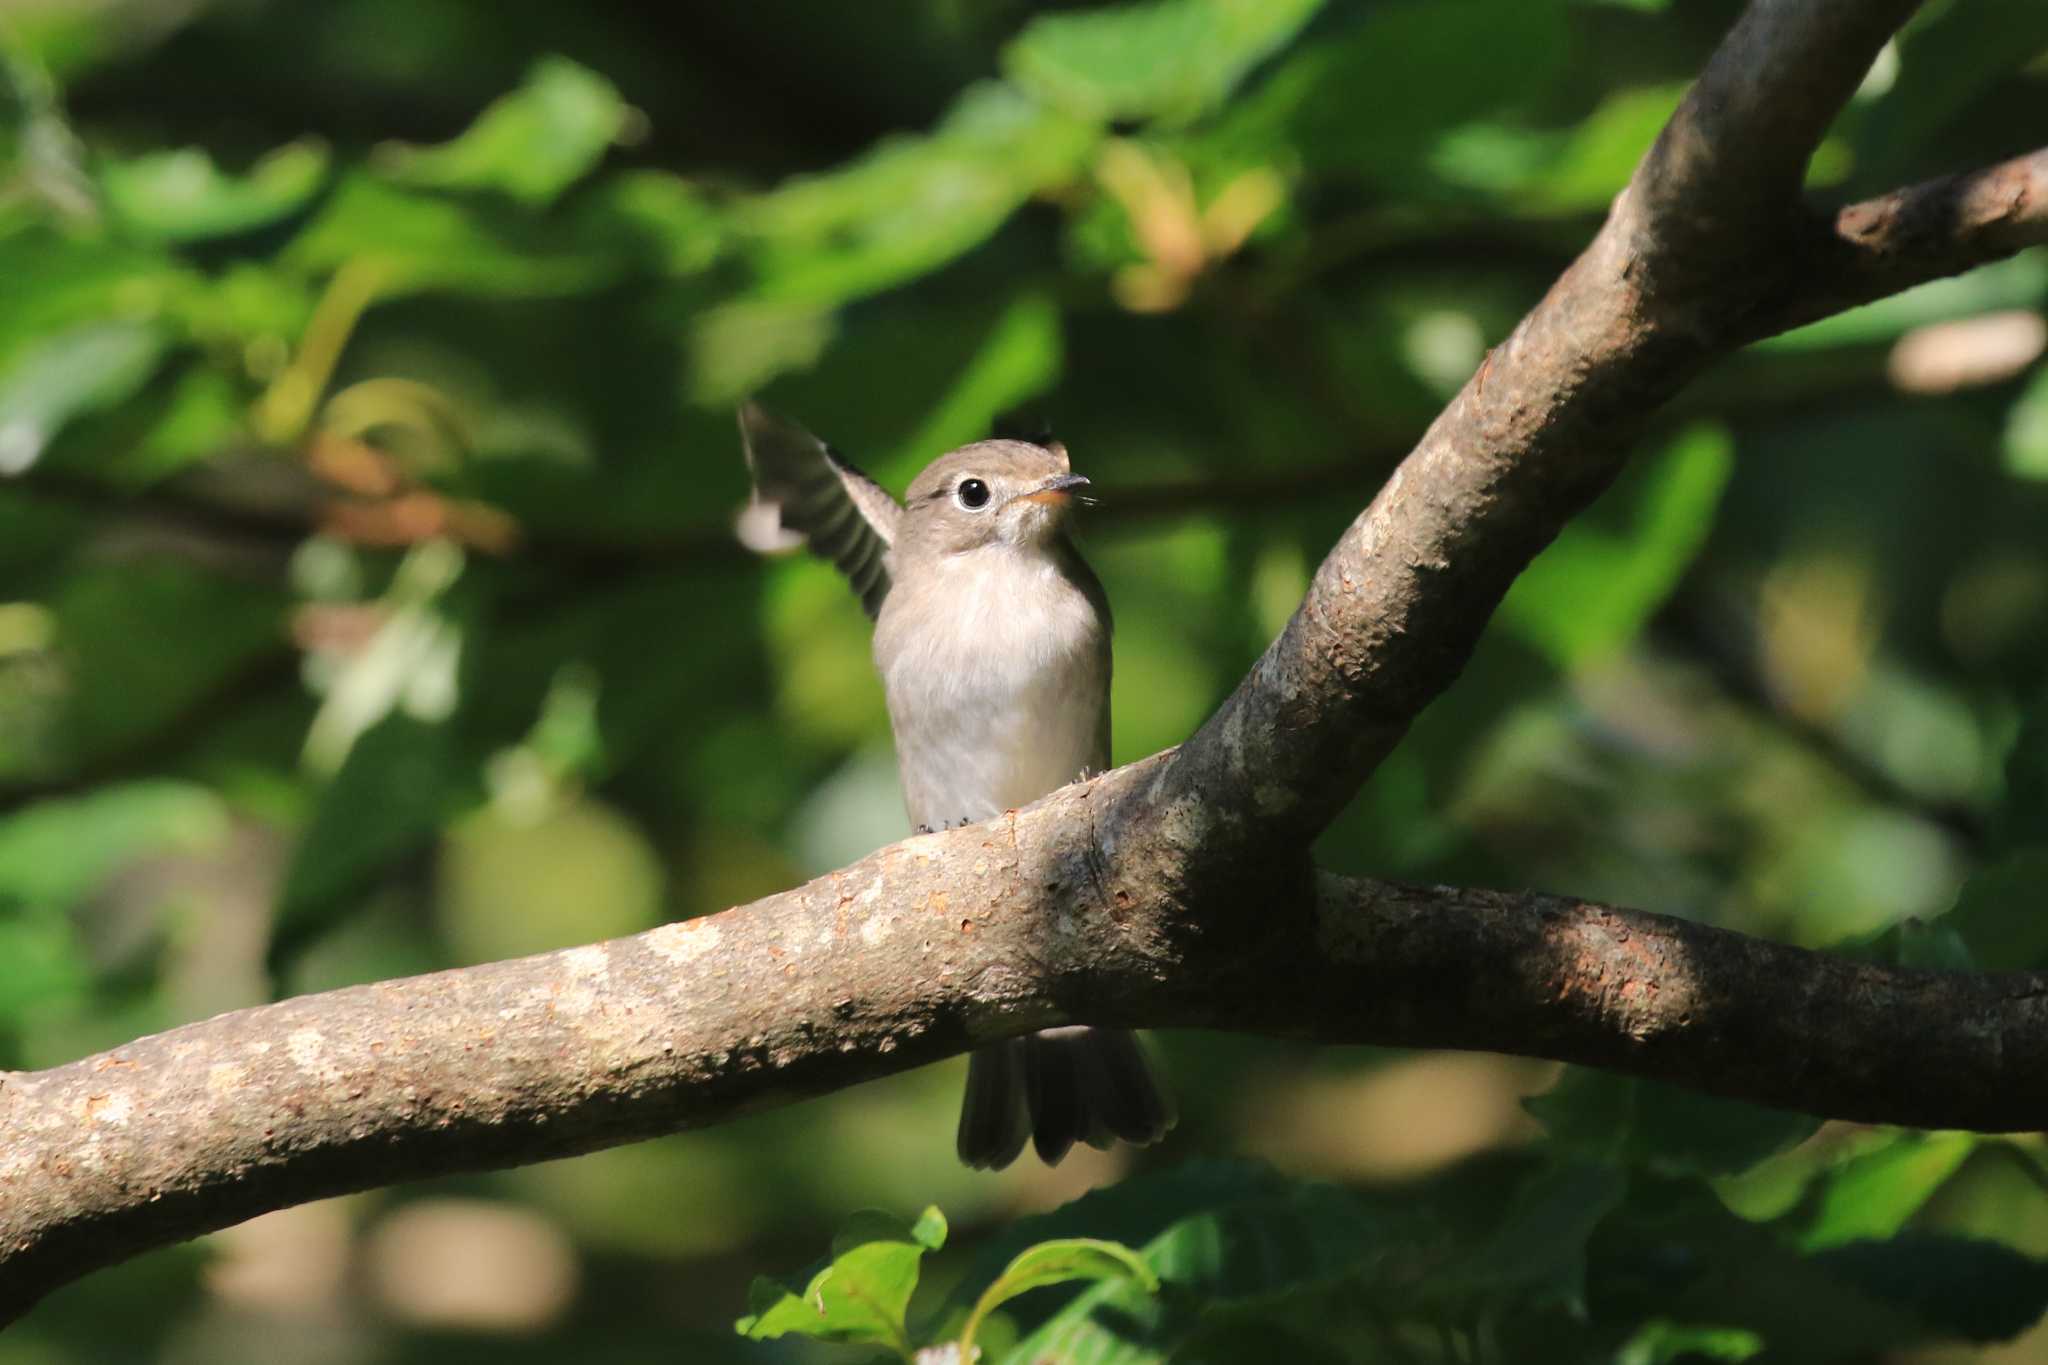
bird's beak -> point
(1055, 492)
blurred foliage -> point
(369, 605)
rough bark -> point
(1176, 891)
(916, 953)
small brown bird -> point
(992, 637)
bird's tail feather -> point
(1056, 1088)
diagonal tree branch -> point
(1543, 427)
(1124, 900)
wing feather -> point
(842, 514)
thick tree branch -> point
(1724, 175)
(1175, 891)
(913, 954)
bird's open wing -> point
(844, 515)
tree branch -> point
(916, 953)
(1885, 245)
(1535, 435)
(1724, 175)
(1125, 900)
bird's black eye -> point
(973, 493)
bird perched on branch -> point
(992, 639)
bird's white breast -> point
(996, 668)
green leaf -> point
(678, 229)
(181, 196)
(1660, 1342)
(80, 370)
(1018, 357)
(1873, 1195)
(531, 144)
(1958, 1286)
(1602, 151)
(1946, 59)
(411, 241)
(401, 779)
(1376, 100)
(1049, 1263)
(1132, 1211)
(2026, 431)
(1662, 1127)
(58, 282)
(1593, 590)
(1536, 1252)
(193, 417)
(54, 852)
(148, 642)
(862, 1294)
(1170, 59)
(1912, 942)
(45, 961)
(1446, 1253)
(913, 203)
(1998, 912)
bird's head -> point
(1010, 493)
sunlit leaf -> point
(54, 852)
(862, 1294)
(1668, 1343)
(740, 346)
(681, 230)
(1873, 1195)
(531, 144)
(2026, 431)
(1059, 1262)
(1604, 148)
(57, 282)
(1169, 59)
(1593, 590)
(414, 241)
(182, 196)
(1018, 358)
(1132, 1212)
(913, 203)
(68, 374)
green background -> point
(370, 604)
